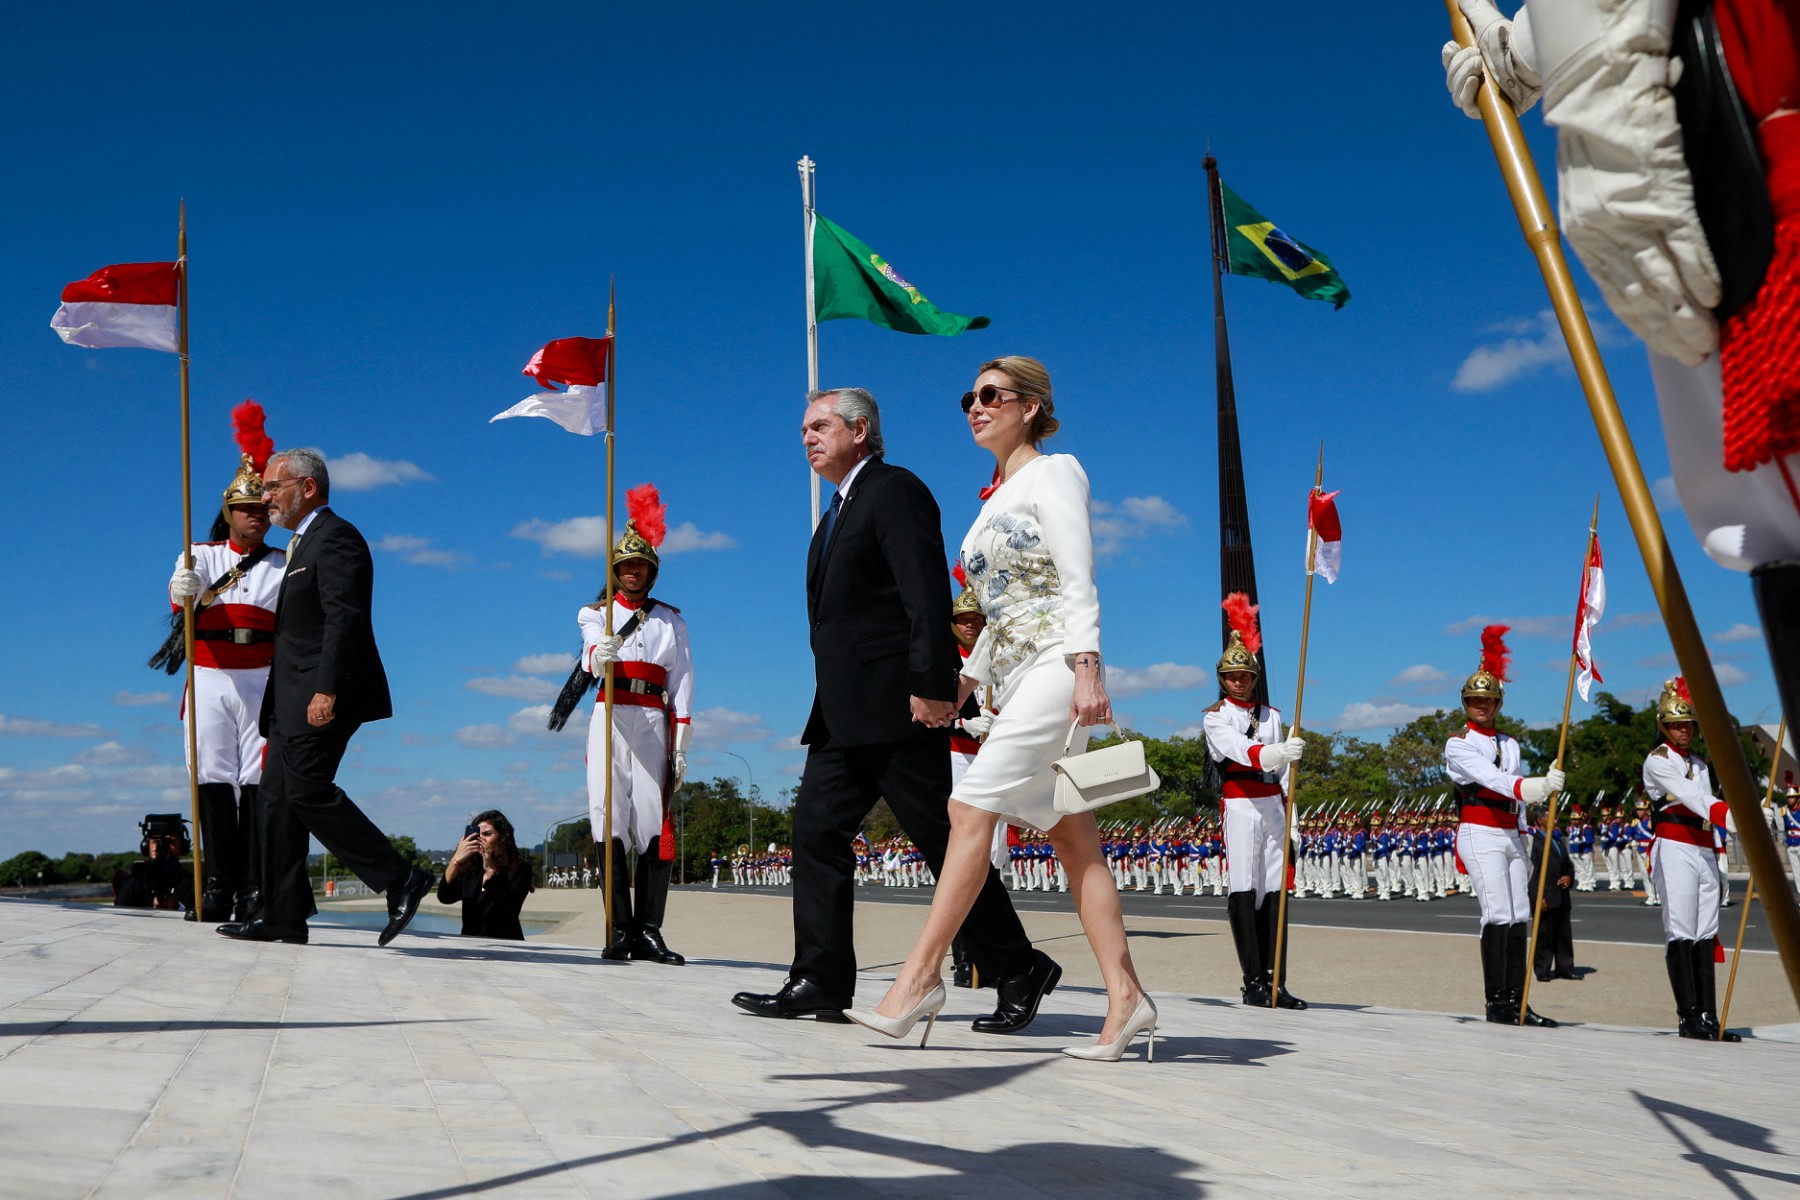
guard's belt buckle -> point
(637, 687)
(242, 637)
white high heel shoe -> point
(1141, 1020)
(929, 1005)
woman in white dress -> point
(1030, 558)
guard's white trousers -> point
(227, 705)
(1688, 878)
(640, 755)
(1253, 844)
(1498, 866)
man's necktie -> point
(831, 516)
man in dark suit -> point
(326, 680)
(1555, 956)
(886, 671)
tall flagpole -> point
(1532, 208)
(612, 358)
(1737, 954)
(1562, 744)
(809, 201)
(187, 548)
(1287, 803)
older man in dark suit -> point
(326, 680)
(886, 670)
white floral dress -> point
(1030, 558)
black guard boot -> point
(1517, 935)
(1493, 976)
(220, 846)
(1240, 914)
(652, 903)
(248, 901)
(1678, 956)
(1706, 996)
(619, 937)
(1267, 917)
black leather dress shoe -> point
(261, 931)
(797, 998)
(648, 945)
(619, 949)
(1020, 996)
(404, 904)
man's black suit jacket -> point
(1561, 865)
(878, 603)
(324, 640)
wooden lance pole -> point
(606, 680)
(187, 547)
(1539, 227)
(1737, 955)
(1562, 744)
(1287, 801)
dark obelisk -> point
(1237, 562)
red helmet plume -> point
(645, 509)
(247, 426)
(1496, 659)
(1242, 616)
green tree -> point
(28, 869)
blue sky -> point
(390, 207)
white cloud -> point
(534, 720)
(112, 754)
(554, 663)
(1628, 620)
(1536, 344)
(34, 727)
(1730, 674)
(1666, 497)
(688, 536)
(1124, 682)
(1421, 678)
(1518, 626)
(1739, 633)
(585, 537)
(142, 699)
(715, 726)
(1363, 715)
(514, 687)
(357, 472)
(1132, 519)
(417, 551)
(484, 737)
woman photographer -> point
(490, 877)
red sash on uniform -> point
(644, 672)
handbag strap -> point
(1075, 725)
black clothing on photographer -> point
(490, 907)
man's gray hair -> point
(853, 405)
(306, 464)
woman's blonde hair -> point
(1033, 379)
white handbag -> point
(1096, 777)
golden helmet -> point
(967, 602)
(246, 486)
(635, 545)
(645, 527)
(1489, 680)
(1237, 657)
(1675, 704)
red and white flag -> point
(1322, 519)
(1587, 615)
(580, 363)
(130, 304)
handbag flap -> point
(1108, 764)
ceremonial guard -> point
(1246, 740)
(233, 585)
(653, 699)
(1483, 763)
(1679, 784)
(1790, 827)
(1642, 832)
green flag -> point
(1256, 246)
(851, 280)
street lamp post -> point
(750, 793)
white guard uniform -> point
(1682, 862)
(1485, 768)
(1030, 558)
(231, 671)
(1235, 736)
(653, 684)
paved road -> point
(1598, 917)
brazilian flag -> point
(851, 280)
(1256, 246)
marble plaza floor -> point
(141, 1056)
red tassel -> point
(1759, 363)
(1718, 951)
(665, 846)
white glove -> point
(680, 764)
(184, 585)
(1506, 45)
(1555, 779)
(604, 651)
(684, 733)
(1274, 758)
(1625, 197)
(977, 727)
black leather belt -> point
(639, 687)
(238, 637)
